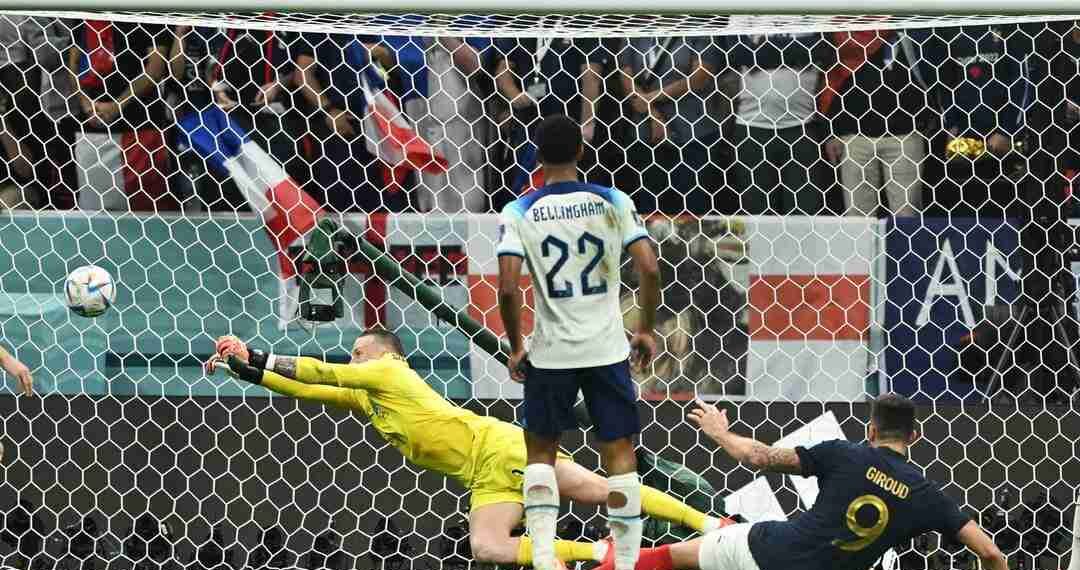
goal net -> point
(842, 206)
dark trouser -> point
(677, 179)
(58, 174)
(777, 171)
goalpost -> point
(774, 303)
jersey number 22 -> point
(555, 246)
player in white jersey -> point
(572, 236)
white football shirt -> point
(572, 236)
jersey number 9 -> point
(567, 290)
(866, 534)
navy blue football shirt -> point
(871, 499)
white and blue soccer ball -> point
(90, 291)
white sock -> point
(625, 521)
(1074, 564)
(711, 524)
(599, 550)
(541, 512)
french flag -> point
(388, 134)
(287, 210)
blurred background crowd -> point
(971, 120)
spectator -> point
(777, 142)
(988, 78)
(122, 159)
(541, 77)
(56, 125)
(1060, 95)
(676, 108)
(251, 75)
(876, 99)
(22, 46)
(332, 85)
(441, 96)
(16, 184)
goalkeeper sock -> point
(625, 520)
(541, 513)
(565, 550)
(660, 505)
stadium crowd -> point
(851, 123)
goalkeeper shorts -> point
(500, 467)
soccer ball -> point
(90, 291)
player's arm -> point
(982, 546)
(275, 382)
(17, 370)
(745, 450)
(366, 376)
(510, 302)
(511, 254)
(639, 247)
(648, 271)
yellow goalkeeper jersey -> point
(426, 428)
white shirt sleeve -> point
(509, 235)
(631, 226)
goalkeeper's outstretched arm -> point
(340, 397)
(365, 376)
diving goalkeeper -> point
(485, 454)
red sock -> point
(658, 558)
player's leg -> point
(549, 403)
(489, 533)
(612, 401)
(581, 485)
(490, 526)
(724, 549)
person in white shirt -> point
(572, 236)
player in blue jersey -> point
(572, 236)
(871, 499)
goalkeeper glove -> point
(245, 370)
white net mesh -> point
(842, 205)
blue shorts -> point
(609, 393)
